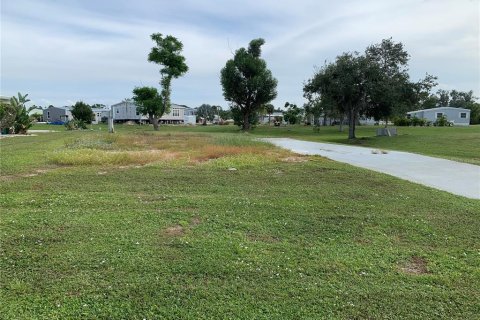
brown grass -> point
(174, 231)
(210, 152)
(416, 265)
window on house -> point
(439, 115)
(118, 111)
(48, 114)
(176, 112)
(409, 116)
(137, 113)
(463, 115)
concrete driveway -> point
(455, 177)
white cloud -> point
(97, 52)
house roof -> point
(438, 108)
(131, 103)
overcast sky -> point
(60, 52)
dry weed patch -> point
(416, 265)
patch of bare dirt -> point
(195, 221)
(25, 175)
(416, 265)
(174, 231)
(294, 159)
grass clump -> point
(83, 157)
(96, 142)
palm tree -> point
(270, 109)
(22, 120)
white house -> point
(127, 111)
(263, 119)
(98, 114)
(457, 116)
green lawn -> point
(147, 225)
(454, 143)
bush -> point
(7, 116)
(402, 122)
(75, 125)
(82, 112)
(418, 122)
(22, 121)
(442, 122)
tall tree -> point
(345, 83)
(149, 103)
(167, 53)
(393, 92)
(247, 83)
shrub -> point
(82, 112)
(22, 121)
(75, 125)
(7, 116)
(442, 122)
(418, 122)
(402, 122)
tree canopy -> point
(376, 84)
(167, 53)
(207, 112)
(247, 82)
(149, 103)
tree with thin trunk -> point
(149, 103)
(247, 83)
(166, 53)
(269, 108)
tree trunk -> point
(246, 123)
(154, 121)
(341, 123)
(351, 124)
(269, 119)
(386, 122)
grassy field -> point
(204, 223)
(455, 143)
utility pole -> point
(110, 121)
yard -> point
(206, 223)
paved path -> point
(455, 177)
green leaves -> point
(246, 81)
(166, 53)
(148, 101)
(82, 112)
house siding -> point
(128, 112)
(53, 114)
(452, 114)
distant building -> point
(127, 111)
(57, 114)
(263, 119)
(98, 114)
(457, 116)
